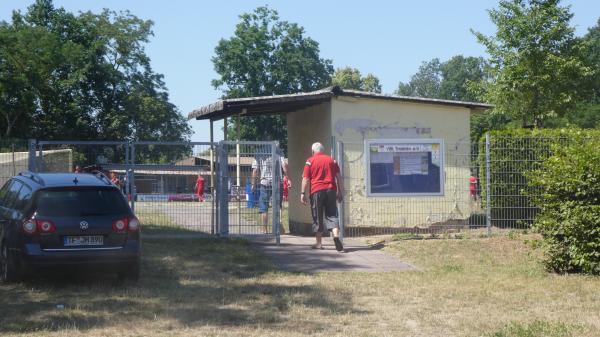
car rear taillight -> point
(45, 226)
(120, 225)
(29, 227)
(134, 224)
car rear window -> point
(80, 202)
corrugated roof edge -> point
(223, 105)
(472, 105)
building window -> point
(404, 167)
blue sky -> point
(387, 38)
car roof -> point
(46, 180)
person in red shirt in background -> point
(199, 188)
(322, 175)
(473, 188)
(286, 187)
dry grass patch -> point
(211, 287)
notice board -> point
(404, 167)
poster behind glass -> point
(404, 167)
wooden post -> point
(225, 128)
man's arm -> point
(305, 184)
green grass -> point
(217, 287)
(537, 329)
(157, 223)
(406, 236)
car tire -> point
(8, 267)
(132, 273)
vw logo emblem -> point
(84, 225)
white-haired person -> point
(322, 176)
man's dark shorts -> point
(323, 205)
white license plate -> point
(92, 240)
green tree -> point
(592, 57)
(268, 56)
(458, 74)
(536, 70)
(86, 76)
(350, 78)
(371, 83)
(587, 112)
(446, 80)
(426, 82)
(454, 79)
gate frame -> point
(275, 196)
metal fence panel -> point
(14, 158)
(507, 160)
(110, 157)
(73, 156)
(180, 187)
(460, 206)
(484, 184)
(253, 181)
(175, 186)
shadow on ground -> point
(197, 282)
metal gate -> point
(250, 187)
(181, 188)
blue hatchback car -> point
(66, 220)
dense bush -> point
(567, 191)
(513, 153)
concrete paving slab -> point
(295, 254)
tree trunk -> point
(9, 125)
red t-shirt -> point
(321, 170)
(200, 186)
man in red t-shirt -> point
(473, 188)
(199, 188)
(286, 188)
(322, 174)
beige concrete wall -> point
(356, 119)
(304, 128)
